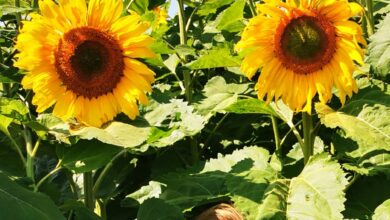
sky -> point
(173, 9)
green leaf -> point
(231, 18)
(365, 195)
(365, 120)
(379, 48)
(80, 211)
(211, 6)
(317, 193)
(370, 127)
(217, 57)
(382, 212)
(140, 6)
(19, 203)
(242, 175)
(161, 47)
(88, 155)
(219, 96)
(251, 106)
(274, 204)
(173, 122)
(12, 108)
(115, 133)
(4, 123)
(158, 209)
(152, 190)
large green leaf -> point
(158, 209)
(379, 48)
(365, 119)
(172, 122)
(231, 19)
(317, 193)
(88, 155)
(17, 202)
(242, 175)
(115, 133)
(219, 96)
(383, 211)
(370, 127)
(216, 57)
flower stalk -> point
(278, 148)
(89, 199)
(307, 136)
(187, 76)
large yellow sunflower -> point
(303, 48)
(83, 60)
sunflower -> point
(303, 48)
(83, 60)
(161, 15)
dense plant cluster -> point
(160, 121)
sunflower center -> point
(302, 38)
(89, 62)
(88, 59)
(305, 44)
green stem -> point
(278, 148)
(17, 148)
(104, 172)
(370, 18)
(88, 191)
(18, 15)
(307, 135)
(103, 212)
(56, 169)
(30, 156)
(35, 4)
(1, 56)
(354, 179)
(252, 7)
(187, 77)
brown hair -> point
(220, 212)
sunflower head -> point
(303, 48)
(84, 60)
(162, 15)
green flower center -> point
(303, 39)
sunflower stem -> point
(30, 154)
(187, 77)
(18, 15)
(89, 200)
(57, 168)
(252, 7)
(35, 4)
(278, 148)
(307, 135)
(104, 172)
(370, 18)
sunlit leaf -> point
(115, 133)
(379, 48)
(217, 57)
(316, 193)
(383, 211)
(231, 19)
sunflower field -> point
(194, 109)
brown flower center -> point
(306, 43)
(89, 62)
